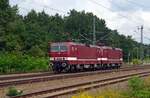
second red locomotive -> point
(70, 56)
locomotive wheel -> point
(106, 66)
(82, 68)
(67, 68)
(53, 69)
(73, 68)
(50, 66)
(113, 66)
(116, 66)
(99, 66)
(92, 67)
(57, 71)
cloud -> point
(130, 5)
(123, 15)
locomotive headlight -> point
(51, 58)
(121, 59)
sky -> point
(126, 16)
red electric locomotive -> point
(70, 56)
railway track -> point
(23, 75)
(55, 92)
(46, 77)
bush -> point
(12, 91)
(138, 88)
(147, 60)
(36, 51)
(136, 61)
(10, 63)
(136, 84)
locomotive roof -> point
(74, 43)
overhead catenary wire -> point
(145, 36)
(85, 37)
(54, 9)
(116, 5)
(135, 3)
(47, 7)
(101, 5)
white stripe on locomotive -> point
(75, 58)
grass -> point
(107, 93)
(137, 88)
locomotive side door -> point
(73, 52)
(98, 55)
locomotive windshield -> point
(59, 48)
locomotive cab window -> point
(54, 48)
(58, 48)
(63, 48)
